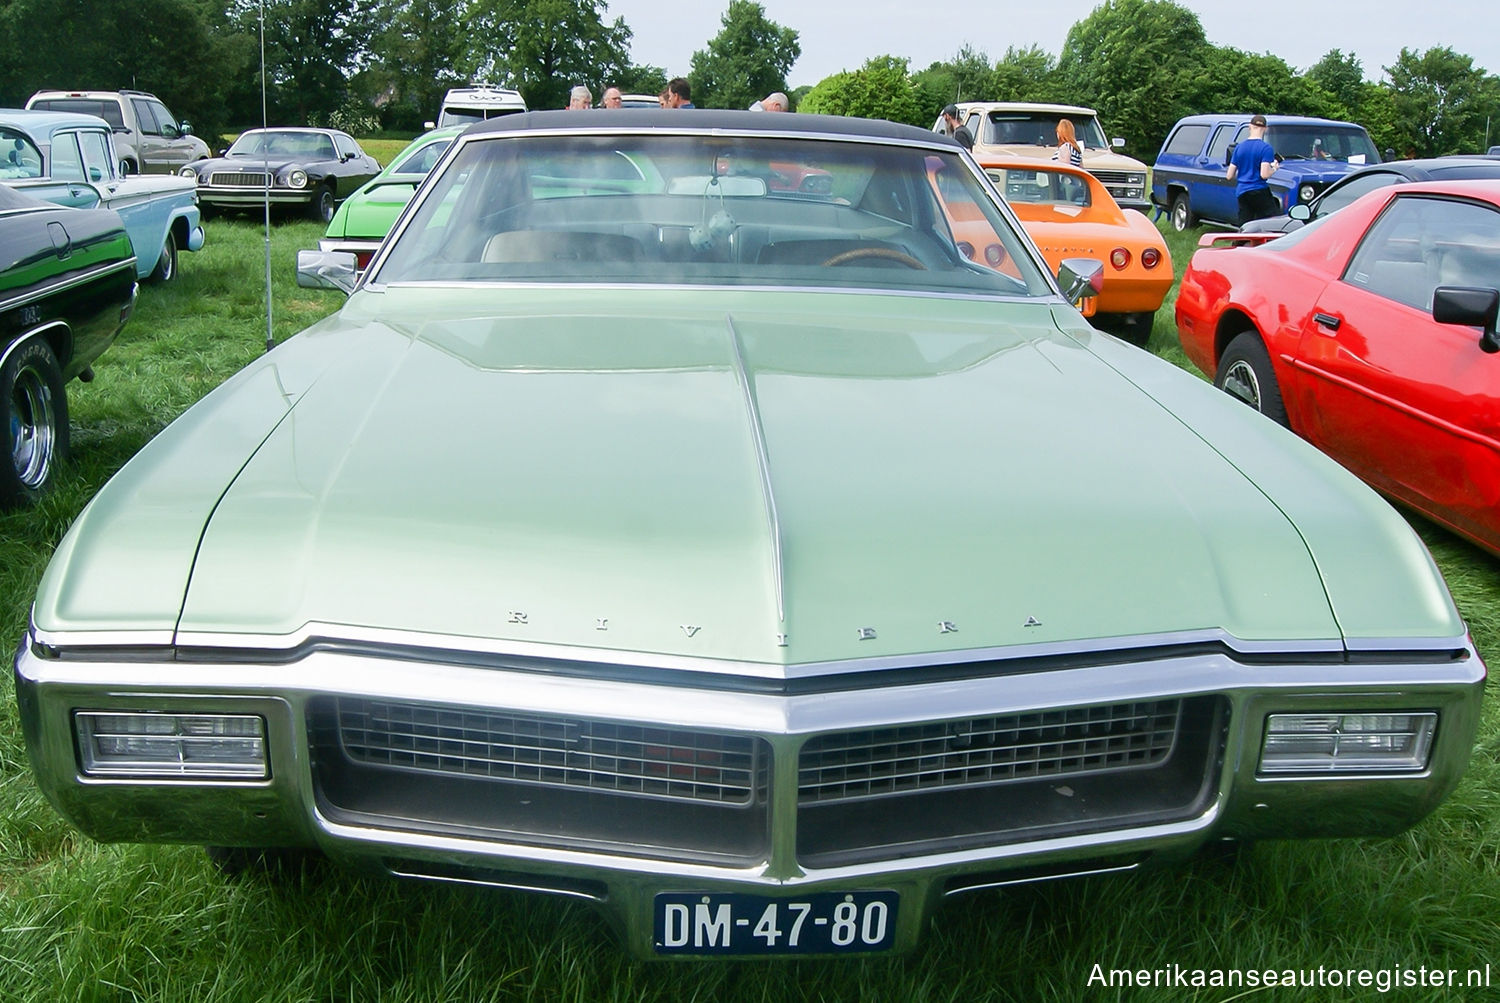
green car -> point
(365, 217)
(67, 286)
(742, 558)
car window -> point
(1186, 141)
(1218, 147)
(19, 156)
(107, 110)
(346, 147)
(97, 161)
(67, 162)
(165, 121)
(1422, 242)
(421, 159)
(1040, 186)
(1347, 191)
(145, 116)
(1319, 141)
(712, 210)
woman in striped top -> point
(1069, 149)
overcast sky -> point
(841, 34)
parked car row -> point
(793, 556)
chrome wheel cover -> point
(1179, 214)
(1241, 382)
(33, 427)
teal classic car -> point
(70, 159)
(67, 286)
(364, 218)
(748, 562)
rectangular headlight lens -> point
(182, 746)
(1347, 743)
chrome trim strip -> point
(1049, 299)
(537, 888)
(314, 632)
(763, 463)
(1087, 872)
(77, 280)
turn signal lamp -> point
(172, 746)
(1347, 743)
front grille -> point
(906, 790)
(552, 751)
(987, 750)
(545, 780)
(239, 179)
(1115, 179)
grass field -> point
(81, 921)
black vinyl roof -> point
(769, 122)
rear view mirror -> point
(327, 270)
(1470, 306)
(1118, 142)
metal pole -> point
(266, 150)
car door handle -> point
(1328, 320)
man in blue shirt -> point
(1251, 163)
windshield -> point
(1033, 128)
(711, 210)
(307, 145)
(1348, 144)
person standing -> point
(775, 101)
(1250, 165)
(612, 98)
(579, 98)
(957, 129)
(679, 93)
(1069, 149)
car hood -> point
(590, 480)
(762, 478)
(1322, 171)
(369, 212)
(256, 163)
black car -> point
(67, 285)
(307, 169)
(1395, 172)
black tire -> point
(275, 863)
(1245, 373)
(1181, 213)
(323, 205)
(34, 425)
(166, 265)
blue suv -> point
(1188, 178)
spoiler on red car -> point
(1235, 239)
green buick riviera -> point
(654, 528)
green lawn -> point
(84, 922)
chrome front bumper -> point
(300, 803)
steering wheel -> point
(888, 253)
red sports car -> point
(1370, 333)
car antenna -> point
(266, 155)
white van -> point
(467, 105)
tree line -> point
(383, 65)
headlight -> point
(1306, 193)
(1347, 743)
(297, 179)
(183, 746)
(189, 172)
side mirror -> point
(1080, 278)
(186, 128)
(327, 270)
(1470, 306)
(1118, 142)
(429, 125)
(1302, 212)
